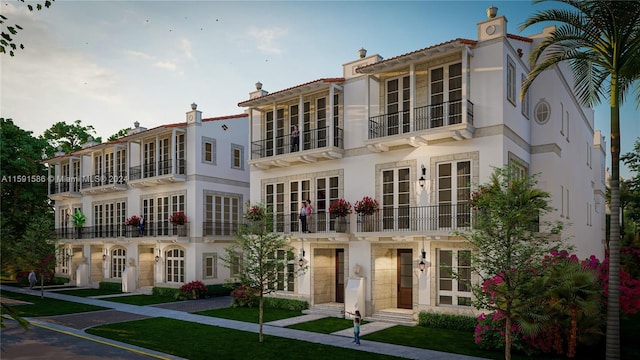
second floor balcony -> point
(107, 182)
(312, 145)
(159, 171)
(451, 120)
(151, 229)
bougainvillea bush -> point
(244, 297)
(193, 290)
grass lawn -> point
(326, 325)
(250, 314)
(46, 306)
(197, 341)
(141, 300)
(88, 292)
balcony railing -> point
(151, 229)
(58, 187)
(158, 168)
(446, 217)
(109, 178)
(424, 118)
(220, 228)
(308, 140)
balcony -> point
(152, 229)
(452, 120)
(68, 188)
(102, 183)
(436, 219)
(225, 229)
(154, 173)
(315, 145)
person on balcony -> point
(309, 218)
(141, 226)
(303, 217)
(295, 138)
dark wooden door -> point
(405, 279)
(340, 275)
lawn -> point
(198, 341)
(47, 306)
(249, 314)
(88, 292)
(326, 325)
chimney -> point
(494, 27)
(136, 129)
(259, 92)
(194, 116)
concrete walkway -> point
(277, 328)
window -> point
(398, 108)
(567, 199)
(526, 100)
(454, 188)
(221, 214)
(269, 133)
(511, 81)
(118, 262)
(286, 271)
(209, 150)
(567, 115)
(149, 168)
(237, 156)
(298, 191)
(561, 201)
(175, 265)
(542, 112)
(275, 199)
(236, 265)
(454, 277)
(156, 212)
(326, 192)
(108, 219)
(396, 198)
(180, 154)
(321, 122)
(210, 265)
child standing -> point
(356, 330)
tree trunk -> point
(507, 338)
(573, 335)
(613, 301)
(41, 286)
(260, 314)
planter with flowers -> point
(179, 221)
(367, 209)
(339, 210)
(134, 222)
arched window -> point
(175, 265)
(118, 262)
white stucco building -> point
(197, 167)
(416, 131)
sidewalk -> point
(341, 339)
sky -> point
(111, 63)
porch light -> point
(422, 265)
(104, 256)
(422, 180)
(302, 260)
(158, 256)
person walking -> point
(32, 279)
(303, 217)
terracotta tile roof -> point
(323, 80)
(521, 38)
(458, 40)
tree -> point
(36, 250)
(630, 190)
(68, 137)
(258, 255)
(506, 244)
(601, 41)
(119, 134)
(7, 41)
(23, 193)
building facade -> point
(196, 168)
(416, 132)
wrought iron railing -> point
(285, 144)
(445, 217)
(151, 229)
(159, 168)
(220, 228)
(424, 118)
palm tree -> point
(601, 41)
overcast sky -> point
(111, 63)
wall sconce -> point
(158, 256)
(69, 254)
(422, 180)
(104, 256)
(422, 265)
(302, 261)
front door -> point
(339, 275)
(405, 278)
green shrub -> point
(106, 285)
(165, 292)
(446, 321)
(285, 304)
(218, 290)
(59, 280)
